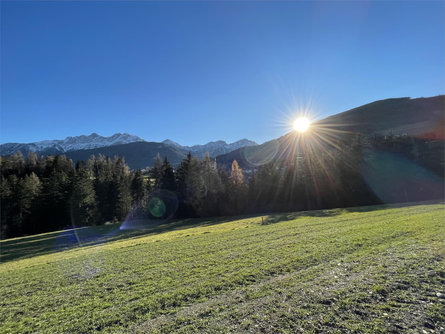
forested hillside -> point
(48, 193)
(136, 155)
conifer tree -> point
(56, 192)
(103, 186)
(121, 189)
(83, 201)
(212, 187)
(189, 185)
(167, 179)
(156, 172)
(31, 188)
(138, 188)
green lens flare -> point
(156, 206)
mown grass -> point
(374, 270)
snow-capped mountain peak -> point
(214, 148)
(82, 142)
(93, 141)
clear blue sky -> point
(201, 71)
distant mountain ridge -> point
(137, 152)
(94, 141)
(59, 146)
(214, 148)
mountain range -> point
(60, 146)
(137, 152)
(419, 117)
(214, 148)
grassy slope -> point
(374, 270)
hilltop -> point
(420, 118)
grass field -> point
(370, 269)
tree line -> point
(40, 194)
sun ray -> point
(302, 124)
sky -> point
(196, 71)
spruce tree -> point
(31, 188)
(103, 186)
(167, 179)
(156, 172)
(121, 189)
(138, 188)
(186, 179)
(212, 187)
(83, 200)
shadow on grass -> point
(47, 243)
(277, 217)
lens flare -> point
(159, 208)
(301, 124)
(156, 206)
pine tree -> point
(212, 187)
(31, 188)
(138, 188)
(56, 192)
(8, 205)
(182, 175)
(156, 172)
(189, 185)
(83, 200)
(121, 189)
(5, 193)
(167, 179)
(103, 186)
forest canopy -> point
(40, 194)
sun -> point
(301, 124)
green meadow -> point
(374, 269)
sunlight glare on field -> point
(301, 124)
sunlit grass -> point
(335, 270)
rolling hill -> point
(422, 118)
(377, 269)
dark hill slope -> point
(137, 155)
(422, 118)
